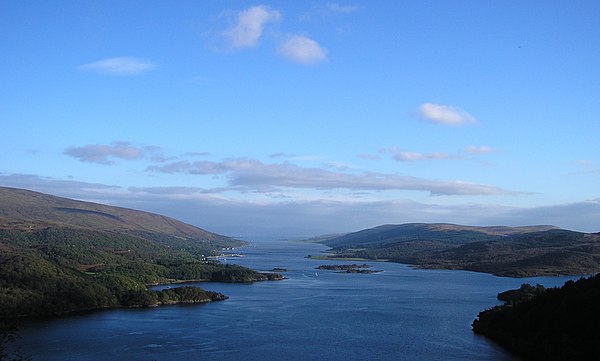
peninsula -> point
(503, 251)
(59, 255)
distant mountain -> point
(59, 255)
(504, 251)
(444, 232)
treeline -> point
(58, 271)
(545, 253)
(557, 324)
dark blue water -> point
(399, 314)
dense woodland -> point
(56, 271)
(59, 256)
(557, 324)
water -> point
(399, 314)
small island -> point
(279, 269)
(352, 268)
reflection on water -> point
(399, 314)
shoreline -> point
(505, 274)
(219, 297)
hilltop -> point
(59, 255)
(504, 251)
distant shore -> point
(496, 271)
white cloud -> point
(479, 149)
(253, 175)
(250, 25)
(119, 66)
(405, 156)
(303, 50)
(408, 156)
(445, 114)
(102, 153)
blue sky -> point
(301, 118)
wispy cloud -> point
(324, 12)
(402, 155)
(406, 156)
(303, 50)
(254, 175)
(119, 66)
(479, 149)
(342, 9)
(104, 154)
(585, 166)
(281, 155)
(445, 114)
(249, 26)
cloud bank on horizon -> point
(280, 118)
(204, 208)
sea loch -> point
(398, 314)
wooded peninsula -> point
(59, 256)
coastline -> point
(521, 273)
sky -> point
(299, 118)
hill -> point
(451, 234)
(504, 251)
(59, 255)
(558, 324)
(26, 210)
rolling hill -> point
(504, 251)
(443, 232)
(26, 210)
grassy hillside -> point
(504, 251)
(59, 255)
(26, 210)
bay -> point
(399, 314)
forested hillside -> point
(58, 256)
(558, 324)
(504, 251)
